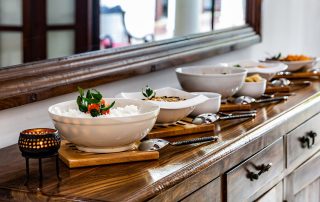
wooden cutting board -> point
(74, 158)
(183, 127)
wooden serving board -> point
(183, 127)
(277, 89)
(74, 158)
(235, 107)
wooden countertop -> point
(178, 172)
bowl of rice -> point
(127, 123)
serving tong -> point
(209, 118)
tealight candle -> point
(38, 143)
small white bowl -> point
(210, 106)
(253, 89)
(105, 134)
(171, 112)
(223, 80)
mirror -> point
(32, 31)
(40, 29)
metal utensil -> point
(211, 118)
(249, 100)
(287, 82)
(157, 144)
(237, 112)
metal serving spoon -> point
(249, 100)
(211, 118)
(157, 144)
(287, 82)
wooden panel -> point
(209, 193)
(306, 174)
(295, 151)
(234, 107)
(183, 127)
(273, 195)
(240, 187)
(74, 158)
(310, 193)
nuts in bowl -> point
(254, 86)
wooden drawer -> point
(240, 187)
(305, 174)
(297, 151)
(211, 192)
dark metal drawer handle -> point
(261, 168)
(305, 140)
(313, 136)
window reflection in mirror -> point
(54, 28)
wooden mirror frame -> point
(30, 82)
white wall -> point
(289, 26)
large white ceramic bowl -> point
(105, 135)
(171, 112)
(253, 89)
(265, 70)
(212, 105)
(223, 80)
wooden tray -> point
(74, 158)
(183, 127)
(277, 89)
(235, 107)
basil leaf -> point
(108, 107)
(81, 106)
(91, 101)
(94, 113)
(97, 95)
(81, 91)
(88, 94)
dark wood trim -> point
(83, 25)
(11, 28)
(60, 27)
(35, 81)
(254, 8)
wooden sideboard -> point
(274, 157)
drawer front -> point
(209, 193)
(247, 178)
(301, 143)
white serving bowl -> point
(253, 89)
(171, 112)
(223, 80)
(212, 105)
(264, 69)
(108, 134)
(297, 65)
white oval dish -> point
(253, 89)
(107, 134)
(296, 65)
(171, 112)
(223, 80)
(264, 69)
(212, 105)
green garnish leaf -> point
(97, 95)
(237, 65)
(94, 113)
(91, 101)
(81, 91)
(82, 107)
(148, 93)
(108, 107)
